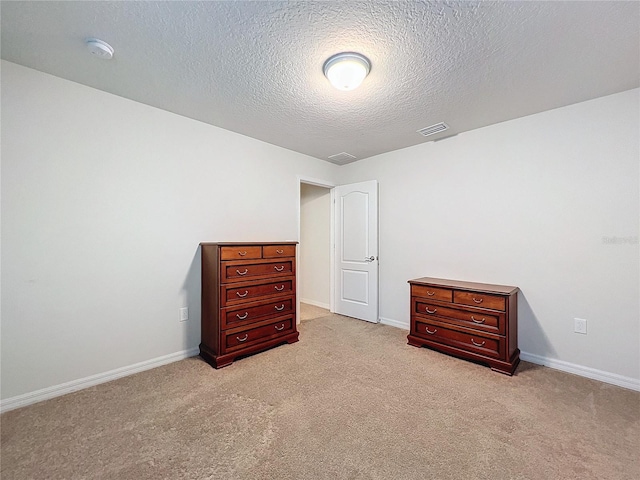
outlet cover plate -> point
(184, 314)
(580, 325)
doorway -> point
(315, 252)
(340, 219)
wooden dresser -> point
(248, 299)
(476, 321)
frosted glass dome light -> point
(347, 70)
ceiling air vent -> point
(433, 129)
(341, 158)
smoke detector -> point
(100, 48)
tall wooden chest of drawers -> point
(476, 321)
(248, 299)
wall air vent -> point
(341, 158)
(433, 129)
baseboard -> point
(394, 323)
(592, 373)
(75, 385)
(316, 304)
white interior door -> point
(356, 250)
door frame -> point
(331, 186)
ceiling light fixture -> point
(346, 70)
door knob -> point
(370, 259)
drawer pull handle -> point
(279, 329)
(431, 294)
(478, 344)
(279, 269)
(242, 317)
(426, 329)
(246, 292)
(431, 311)
(243, 339)
(279, 309)
(242, 254)
(477, 321)
(246, 270)
(475, 300)
(279, 252)
(279, 289)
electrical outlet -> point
(184, 314)
(580, 325)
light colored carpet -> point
(351, 400)
(309, 312)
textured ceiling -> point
(255, 67)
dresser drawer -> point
(433, 293)
(476, 299)
(240, 253)
(477, 342)
(236, 272)
(471, 318)
(241, 293)
(275, 251)
(234, 339)
(253, 312)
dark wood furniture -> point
(476, 321)
(248, 299)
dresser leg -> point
(413, 341)
(508, 368)
(216, 361)
(224, 360)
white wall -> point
(104, 202)
(315, 245)
(529, 203)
